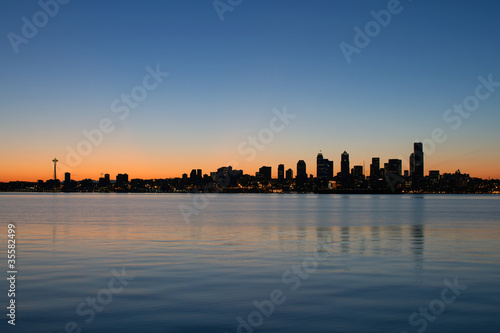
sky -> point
(157, 88)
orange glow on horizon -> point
(161, 168)
(174, 160)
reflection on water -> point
(417, 246)
(387, 256)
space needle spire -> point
(55, 163)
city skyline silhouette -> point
(386, 177)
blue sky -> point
(227, 76)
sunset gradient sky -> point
(227, 79)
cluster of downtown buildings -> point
(389, 178)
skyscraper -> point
(417, 160)
(375, 168)
(319, 165)
(301, 173)
(281, 172)
(289, 174)
(301, 169)
(344, 164)
(265, 172)
(412, 164)
(394, 166)
(357, 171)
(324, 168)
(345, 175)
(329, 169)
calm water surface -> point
(254, 263)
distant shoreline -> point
(263, 193)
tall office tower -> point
(412, 164)
(394, 166)
(289, 174)
(67, 178)
(199, 174)
(320, 171)
(106, 177)
(324, 168)
(281, 172)
(375, 168)
(301, 169)
(192, 175)
(418, 159)
(344, 164)
(265, 172)
(301, 173)
(357, 171)
(345, 175)
(329, 169)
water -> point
(254, 263)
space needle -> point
(55, 163)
